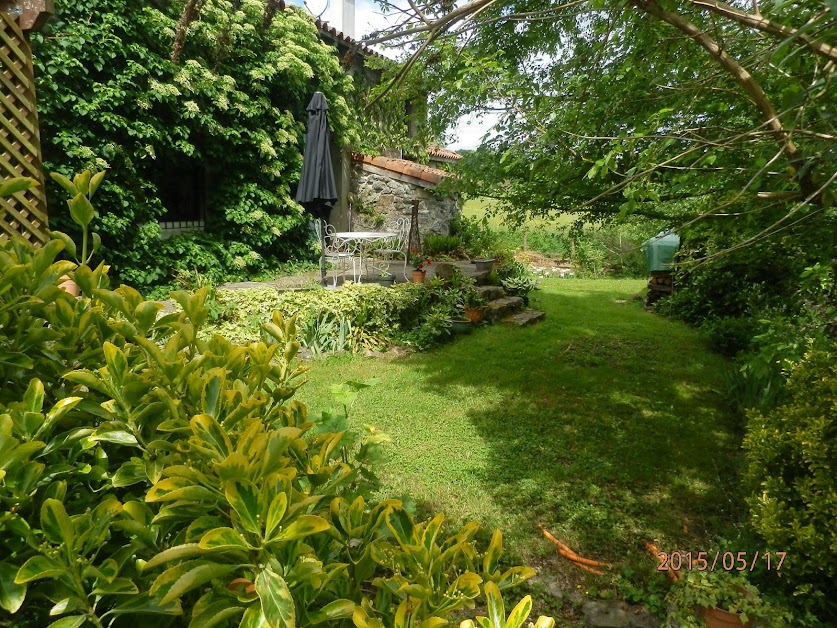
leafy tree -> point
(149, 90)
(681, 110)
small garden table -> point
(364, 241)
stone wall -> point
(381, 197)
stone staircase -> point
(506, 309)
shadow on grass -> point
(601, 424)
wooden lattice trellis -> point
(24, 213)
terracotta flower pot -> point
(716, 618)
(474, 314)
(418, 276)
(68, 285)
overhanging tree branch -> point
(747, 82)
(767, 26)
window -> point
(182, 188)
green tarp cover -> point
(660, 250)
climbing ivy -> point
(110, 97)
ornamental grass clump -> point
(150, 474)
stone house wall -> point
(381, 196)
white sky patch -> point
(469, 130)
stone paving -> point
(310, 279)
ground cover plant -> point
(148, 475)
(353, 318)
(595, 423)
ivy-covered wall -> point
(225, 123)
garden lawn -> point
(601, 423)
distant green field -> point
(593, 251)
(479, 207)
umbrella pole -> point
(322, 251)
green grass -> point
(602, 423)
(481, 206)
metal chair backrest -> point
(333, 244)
(399, 242)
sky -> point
(368, 17)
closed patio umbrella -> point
(317, 191)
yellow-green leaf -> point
(243, 496)
(515, 576)
(15, 185)
(277, 603)
(207, 429)
(519, 613)
(56, 524)
(178, 552)
(494, 605)
(214, 614)
(37, 568)
(306, 525)
(178, 488)
(224, 539)
(275, 512)
(194, 578)
(492, 554)
(12, 594)
(338, 609)
(73, 621)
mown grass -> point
(601, 423)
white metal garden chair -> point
(392, 248)
(338, 252)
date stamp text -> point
(715, 561)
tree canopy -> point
(677, 109)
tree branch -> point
(744, 79)
(190, 13)
(767, 26)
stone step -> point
(491, 293)
(525, 317)
(502, 307)
(481, 278)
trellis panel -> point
(23, 214)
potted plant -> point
(483, 264)
(520, 286)
(474, 310)
(419, 264)
(722, 599)
(461, 326)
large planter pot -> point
(461, 326)
(483, 264)
(70, 286)
(716, 618)
(418, 276)
(475, 314)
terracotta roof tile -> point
(356, 44)
(403, 166)
(443, 153)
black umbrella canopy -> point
(317, 191)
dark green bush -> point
(476, 236)
(225, 123)
(441, 245)
(792, 466)
(728, 335)
(150, 476)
